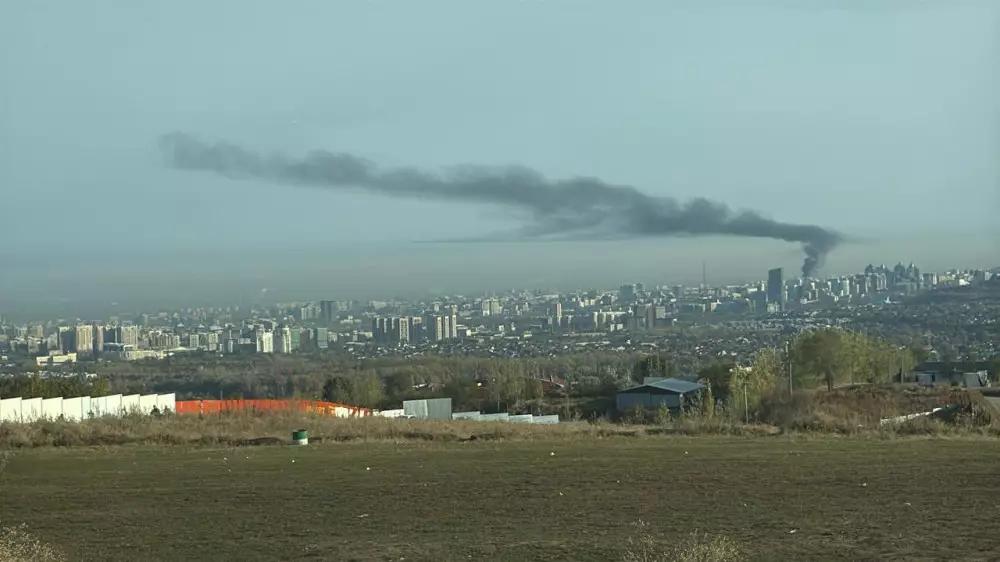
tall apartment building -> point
(264, 340)
(84, 339)
(434, 327)
(283, 339)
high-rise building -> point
(321, 338)
(67, 340)
(327, 311)
(264, 340)
(97, 340)
(434, 327)
(776, 287)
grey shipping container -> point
(428, 409)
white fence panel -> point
(389, 413)
(106, 406)
(52, 408)
(546, 419)
(130, 403)
(521, 418)
(76, 409)
(166, 402)
(10, 410)
(31, 409)
(146, 403)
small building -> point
(669, 393)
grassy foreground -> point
(779, 498)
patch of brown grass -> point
(696, 547)
(18, 545)
(850, 411)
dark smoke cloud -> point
(577, 208)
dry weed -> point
(18, 545)
(696, 547)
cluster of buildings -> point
(315, 326)
(400, 330)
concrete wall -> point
(79, 408)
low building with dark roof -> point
(669, 393)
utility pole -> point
(788, 358)
(901, 348)
(746, 402)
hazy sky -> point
(881, 121)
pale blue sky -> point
(879, 121)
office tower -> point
(446, 326)
(626, 292)
(776, 287)
(558, 309)
(327, 311)
(67, 340)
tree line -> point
(814, 359)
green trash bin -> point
(300, 437)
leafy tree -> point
(652, 366)
(717, 377)
(337, 389)
(366, 389)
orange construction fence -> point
(251, 406)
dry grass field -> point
(556, 498)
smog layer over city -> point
(445, 280)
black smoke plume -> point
(577, 208)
